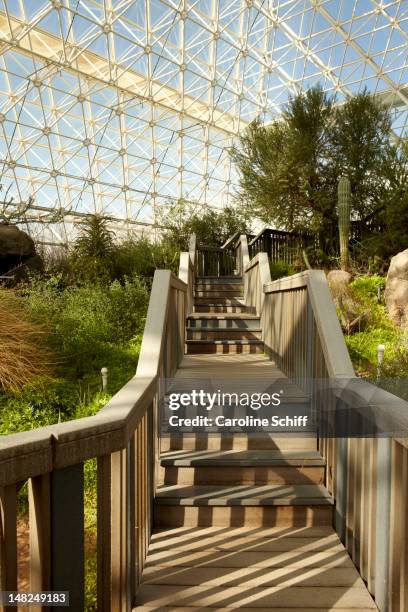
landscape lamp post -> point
(380, 357)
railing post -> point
(103, 534)
(8, 538)
(341, 488)
(67, 533)
(244, 261)
(40, 534)
(382, 523)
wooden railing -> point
(222, 261)
(123, 438)
(368, 476)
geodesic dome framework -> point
(126, 107)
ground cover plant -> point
(365, 323)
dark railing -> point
(215, 261)
(222, 261)
(281, 246)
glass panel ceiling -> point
(124, 107)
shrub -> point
(92, 255)
(141, 257)
(39, 403)
(23, 355)
(92, 325)
(280, 269)
(367, 325)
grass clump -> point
(24, 355)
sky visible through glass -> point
(125, 107)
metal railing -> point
(281, 246)
(222, 261)
(367, 475)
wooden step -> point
(223, 334)
(259, 495)
(241, 468)
(218, 296)
(215, 287)
(237, 442)
(217, 300)
(223, 321)
(215, 280)
(224, 346)
(222, 308)
(242, 505)
(237, 516)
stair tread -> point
(223, 315)
(206, 341)
(243, 458)
(243, 495)
(224, 329)
(258, 597)
(188, 534)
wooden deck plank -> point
(246, 608)
(269, 597)
(248, 558)
(249, 577)
(189, 533)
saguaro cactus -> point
(344, 198)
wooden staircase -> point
(221, 322)
(242, 521)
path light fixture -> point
(380, 357)
(104, 372)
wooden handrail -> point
(368, 477)
(123, 437)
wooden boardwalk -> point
(245, 522)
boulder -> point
(14, 242)
(396, 289)
(339, 277)
(17, 253)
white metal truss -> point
(125, 107)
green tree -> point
(361, 149)
(289, 170)
(212, 227)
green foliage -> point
(289, 169)
(92, 253)
(211, 227)
(142, 257)
(280, 269)
(90, 327)
(373, 328)
(88, 322)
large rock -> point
(17, 252)
(339, 277)
(15, 243)
(396, 288)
